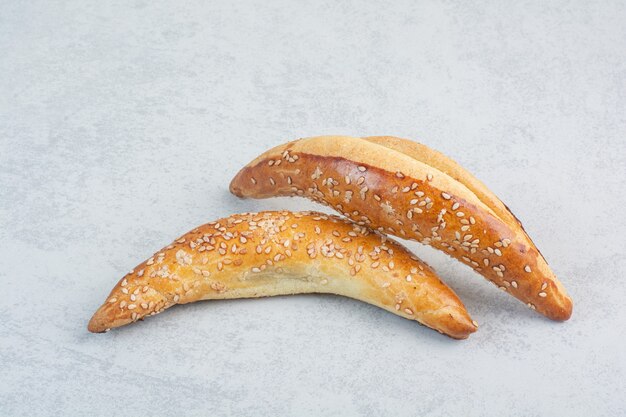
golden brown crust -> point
(415, 193)
(277, 253)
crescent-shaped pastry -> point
(408, 190)
(277, 253)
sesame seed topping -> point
(317, 173)
(455, 206)
(544, 286)
(475, 323)
(527, 269)
(408, 311)
(362, 168)
(429, 177)
(446, 196)
(514, 284)
(542, 294)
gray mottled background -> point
(122, 122)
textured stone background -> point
(122, 122)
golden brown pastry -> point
(277, 253)
(409, 190)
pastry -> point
(277, 253)
(409, 190)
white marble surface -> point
(122, 122)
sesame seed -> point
(446, 196)
(408, 311)
(255, 269)
(252, 180)
(409, 278)
(455, 206)
(542, 294)
(132, 306)
(527, 269)
(514, 284)
(498, 252)
(460, 214)
(544, 286)
(362, 168)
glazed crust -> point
(278, 253)
(409, 190)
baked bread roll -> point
(409, 190)
(277, 253)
